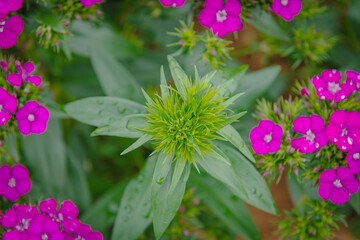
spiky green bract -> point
(186, 124)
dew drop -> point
(121, 110)
(100, 102)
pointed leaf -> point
(216, 153)
(114, 79)
(166, 205)
(123, 127)
(179, 76)
(227, 207)
(134, 214)
(101, 111)
(138, 143)
(258, 193)
(163, 84)
(177, 173)
(230, 134)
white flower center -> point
(221, 15)
(2, 26)
(333, 87)
(284, 2)
(31, 117)
(12, 182)
(344, 132)
(337, 183)
(356, 156)
(80, 238)
(310, 136)
(1, 107)
(23, 225)
(44, 237)
(268, 138)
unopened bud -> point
(195, 202)
(181, 43)
(182, 209)
(296, 171)
(276, 109)
(307, 104)
(317, 169)
(288, 114)
(266, 173)
(4, 66)
(186, 233)
(78, 16)
(59, 5)
(281, 168)
(304, 92)
(213, 52)
(98, 12)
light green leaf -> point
(134, 214)
(45, 154)
(179, 76)
(226, 206)
(101, 111)
(216, 153)
(355, 202)
(163, 84)
(258, 193)
(138, 143)
(177, 173)
(114, 79)
(223, 172)
(123, 127)
(230, 134)
(101, 215)
(166, 205)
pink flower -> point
(221, 20)
(344, 129)
(8, 106)
(328, 86)
(314, 131)
(353, 159)
(84, 232)
(32, 118)
(24, 74)
(14, 182)
(353, 78)
(90, 3)
(4, 66)
(43, 227)
(337, 185)
(7, 6)
(172, 3)
(266, 138)
(66, 215)
(287, 9)
(9, 30)
(19, 218)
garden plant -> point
(179, 119)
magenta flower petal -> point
(344, 129)
(287, 9)
(12, 235)
(38, 127)
(15, 182)
(313, 131)
(69, 209)
(7, 6)
(172, 3)
(29, 67)
(353, 159)
(48, 206)
(32, 118)
(9, 31)
(220, 19)
(266, 138)
(337, 185)
(24, 127)
(89, 3)
(14, 79)
(353, 79)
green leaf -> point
(138, 143)
(101, 111)
(166, 204)
(226, 206)
(163, 84)
(45, 154)
(216, 153)
(114, 79)
(134, 214)
(266, 24)
(177, 173)
(86, 37)
(11, 146)
(123, 127)
(179, 76)
(258, 193)
(230, 134)
(255, 85)
(223, 172)
(299, 191)
(101, 215)
(44, 16)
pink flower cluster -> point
(24, 222)
(223, 19)
(89, 3)
(328, 86)
(14, 182)
(10, 28)
(31, 117)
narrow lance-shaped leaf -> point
(101, 111)
(226, 206)
(163, 84)
(178, 171)
(166, 205)
(134, 214)
(138, 143)
(230, 134)
(124, 127)
(179, 76)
